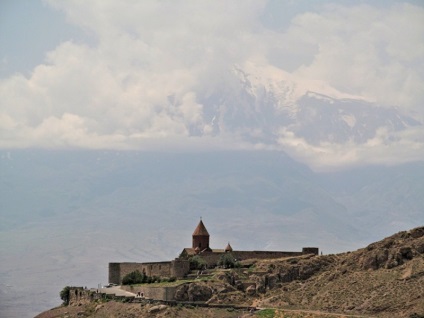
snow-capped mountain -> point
(261, 101)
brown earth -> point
(114, 309)
(385, 279)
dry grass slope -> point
(385, 279)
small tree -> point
(134, 278)
(227, 260)
(197, 262)
(64, 295)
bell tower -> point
(201, 237)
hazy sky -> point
(98, 74)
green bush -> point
(64, 295)
(141, 278)
(227, 260)
(197, 262)
(134, 278)
(172, 279)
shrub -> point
(227, 260)
(134, 278)
(64, 295)
(197, 262)
(172, 279)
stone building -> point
(180, 266)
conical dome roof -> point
(200, 230)
(228, 248)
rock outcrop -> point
(193, 292)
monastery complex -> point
(180, 266)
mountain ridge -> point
(274, 110)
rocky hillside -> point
(385, 279)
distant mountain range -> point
(47, 185)
(257, 103)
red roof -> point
(200, 230)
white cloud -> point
(368, 51)
(387, 148)
(141, 82)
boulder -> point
(417, 232)
(158, 308)
(272, 281)
(181, 294)
(375, 259)
(229, 278)
(197, 292)
(406, 252)
(419, 247)
(289, 274)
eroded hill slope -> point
(386, 279)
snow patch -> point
(287, 87)
(350, 120)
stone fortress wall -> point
(80, 295)
(212, 258)
(149, 292)
(177, 268)
(180, 267)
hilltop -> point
(384, 279)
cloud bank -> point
(141, 82)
